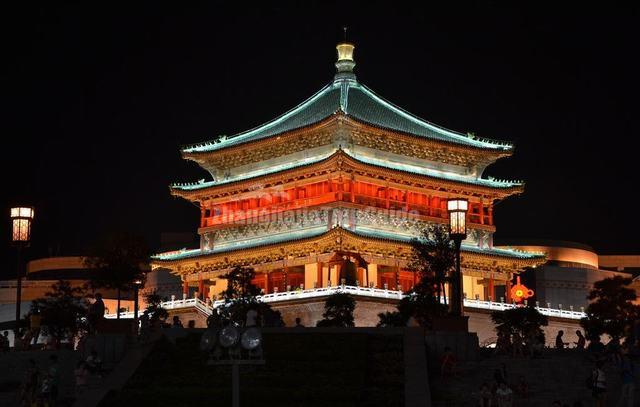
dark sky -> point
(97, 101)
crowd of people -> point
(40, 386)
(502, 393)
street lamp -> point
(457, 208)
(21, 219)
(136, 286)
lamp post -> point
(136, 287)
(21, 219)
(457, 208)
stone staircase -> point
(557, 376)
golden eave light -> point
(457, 209)
(21, 218)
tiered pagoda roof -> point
(348, 96)
(345, 128)
(347, 160)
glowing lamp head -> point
(457, 209)
(21, 218)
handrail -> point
(207, 308)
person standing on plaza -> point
(560, 343)
(35, 320)
(581, 340)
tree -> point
(434, 258)
(120, 260)
(154, 308)
(240, 296)
(338, 311)
(612, 310)
(62, 311)
(524, 321)
(423, 306)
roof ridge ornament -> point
(345, 62)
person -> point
(145, 324)
(627, 370)
(17, 340)
(447, 362)
(35, 322)
(613, 349)
(53, 374)
(28, 391)
(4, 342)
(504, 395)
(299, 323)
(516, 343)
(485, 395)
(581, 340)
(536, 344)
(96, 313)
(26, 340)
(81, 374)
(176, 322)
(599, 381)
(93, 363)
(560, 344)
(503, 344)
(191, 324)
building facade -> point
(566, 278)
(332, 191)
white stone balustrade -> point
(353, 290)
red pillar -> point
(508, 291)
(491, 290)
(201, 288)
(185, 288)
(285, 278)
(319, 277)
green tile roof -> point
(356, 100)
(408, 168)
(317, 232)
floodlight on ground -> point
(208, 340)
(229, 336)
(251, 339)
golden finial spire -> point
(345, 49)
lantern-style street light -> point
(457, 208)
(21, 219)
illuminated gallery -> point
(331, 193)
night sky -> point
(97, 101)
